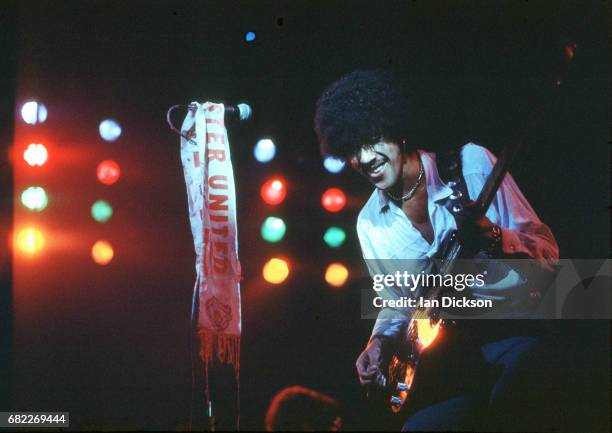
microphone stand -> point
(193, 328)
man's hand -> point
(368, 363)
(479, 233)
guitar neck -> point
(496, 177)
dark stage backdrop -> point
(110, 343)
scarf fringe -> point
(226, 348)
(227, 351)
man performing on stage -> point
(362, 118)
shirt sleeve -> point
(390, 322)
(522, 230)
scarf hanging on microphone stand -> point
(211, 194)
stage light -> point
(101, 211)
(264, 150)
(33, 112)
(273, 229)
(34, 198)
(273, 191)
(333, 165)
(30, 240)
(102, 253)
(334, 237)
(108, 172)
(250, 36)
(275, 271)
(35, 154)
(336, 274)
(109, 130)
(333, 200)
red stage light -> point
(108, 172)
(36, 154)
(333, 200)
(274, 191)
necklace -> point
(412, 190)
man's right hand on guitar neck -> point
(369, 362)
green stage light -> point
(101, 211)
(334, 237)
(34, 198)
(273, 229)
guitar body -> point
(423, 330)
(421, 333)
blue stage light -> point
(34, 112)
(333, 165)
(249, 36)
(109, 130)
(264, 150)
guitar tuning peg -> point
(396, 401)
(401, 386)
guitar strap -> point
(451, 172)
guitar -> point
(425, 326)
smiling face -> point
(380, 163)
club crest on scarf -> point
(220, 314)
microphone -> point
(242, 111)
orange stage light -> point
(30, 241)
(102, 252)
(336, 274)
(276, 271)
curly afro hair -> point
(361, 108)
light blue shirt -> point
(385, 232)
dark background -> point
(110, 344)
